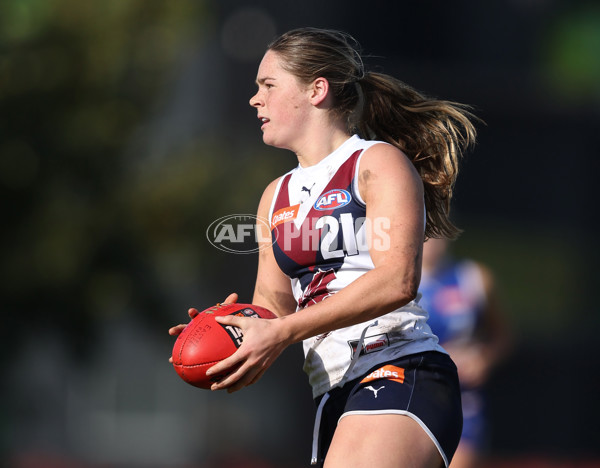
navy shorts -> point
(422, 386)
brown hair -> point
(432, 133)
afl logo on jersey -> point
(333, 199)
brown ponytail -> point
(432, 133)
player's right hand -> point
(192, 312)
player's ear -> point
(319, 91)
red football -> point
(204, 342)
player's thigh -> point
(382, 441)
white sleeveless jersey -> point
(319, 229)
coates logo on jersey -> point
(333, 199)
(284, 215)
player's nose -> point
(255, 100)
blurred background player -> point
(464, 312)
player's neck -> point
(320, 144)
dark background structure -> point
(125, 131)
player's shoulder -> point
(383, 165)
(382, 154)
(268, 195)
(272, 186)
(383, 157)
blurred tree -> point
(76, 80)
(571, 50)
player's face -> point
(281, 102)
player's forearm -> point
(376, 293)
(280, 302)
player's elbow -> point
(396, 285)
(404, 291)
(409, 293)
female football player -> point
(377, 162)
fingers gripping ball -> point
(204, 342)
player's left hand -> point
(262, 344)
